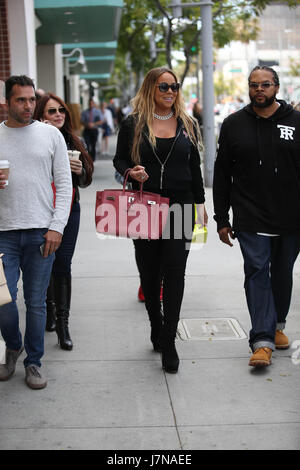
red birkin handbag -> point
(131, 213)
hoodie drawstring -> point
(260, 153)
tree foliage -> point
(294, 68)
(149, 34)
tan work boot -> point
(261, 357)
(281, 340)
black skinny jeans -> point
(165, 259)
(64, 254)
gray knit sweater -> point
(38, 155)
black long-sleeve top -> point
(182, 174)
(79, 181)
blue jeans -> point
(268, 265)
(21, 250)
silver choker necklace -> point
(163, 118)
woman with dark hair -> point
(52, 110)
(159, 143)
(197, 114)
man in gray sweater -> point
(31, 227)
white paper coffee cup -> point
(74, 154)
(4, 167)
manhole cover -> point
(210, 329)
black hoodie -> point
(257, 171)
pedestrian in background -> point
(39, 93)
(119, 116)
(198, 114)
(30, 227)
(52, 110)
(107, 127)
(297, 107)
(159, 143)
(112, 108)
(91, 119)
(257, 173)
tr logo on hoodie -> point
(286, 132)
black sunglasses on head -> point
(164, 87)
(53, 111)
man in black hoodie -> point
(257, 174)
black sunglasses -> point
(53, 111)
(264, 85)
(164, 87)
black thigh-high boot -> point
(156, 322)
(50, 304)
(63, 300)
(151, 289)
(149, 270)
(170, 359)
(175, 253)
(172, 299)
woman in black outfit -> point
(160, 142)
(51, 109)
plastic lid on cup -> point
(73, 153)
(4, 164)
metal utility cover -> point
(210, 329)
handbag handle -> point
(126, 174)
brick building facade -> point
(4, 49)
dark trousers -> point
(268, 266)
(91, 136)
(164, 260)
(64, 254)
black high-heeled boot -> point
(50, 306)
(63, 299)
(169, 358)
(156, 323)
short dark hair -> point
(21, 80)
(269, 69)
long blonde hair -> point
(143, 106)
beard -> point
(16, 116)
(262, 104)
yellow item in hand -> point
(200, 232)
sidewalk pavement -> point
(110, 392)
